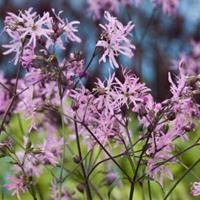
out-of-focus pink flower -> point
(114, 40)
(27, 57)
(30, 164)
(158, 172)
(97, 7)
(55, 192)
(16, 185)
(28, 105)
(168, 6)
(196, 189)
(131, 2)
(110, 178)
(50, 150)
(191, 61)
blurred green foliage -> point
(119, 190)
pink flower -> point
(12, 21)
(158, 172)
(191, 62)
(130, 2)
(97, 7)
(94, 7)
(51, 150)
(65, 195)
(195, 48)
(106, 95)
(168, 6)
(68, 28)
(110, 178)
(29, 162)
(74, 69)
(27, 26)
(16, 185)
(114, 40)
(35, 26)
(15, 46)
(27, 57)
(28, 106)
(177, 88)
(196, 189)
(130, 91)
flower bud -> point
(28, 145)
(150, 128)
(80, 187)
(75, 105)
(142, 111)
(110, 178)
(189, 127)
(77, 159)
(171, 116)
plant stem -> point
(180, 179)
(106, 151)
(89, 196)
(12, 100)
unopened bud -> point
(150, 128)
(110, 178)
(77, 159)
(171, 116)
(196, 96)
(28, 145)
(75, 105)
(189, 127)
(80, 187)
(142, 111)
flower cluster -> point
(101, 110)
(175, 122)
(97, 7)
(191, 61)
(28, 29)
(114, 40)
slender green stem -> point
(87, 67)
(136, 171)
(169, 159)
(12, 100)
(104, 160)
(89, 196)
(149, 189)
(20, 124)
(106, 151)
(149, 132)
(64, 140)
